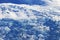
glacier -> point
(30, 22)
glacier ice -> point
(29, 22)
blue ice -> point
(30, 2)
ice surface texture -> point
(29, 22)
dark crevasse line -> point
(29, 2)
(7, 21)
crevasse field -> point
(30, 22)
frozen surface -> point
(30, 22)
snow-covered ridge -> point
(23, 11)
